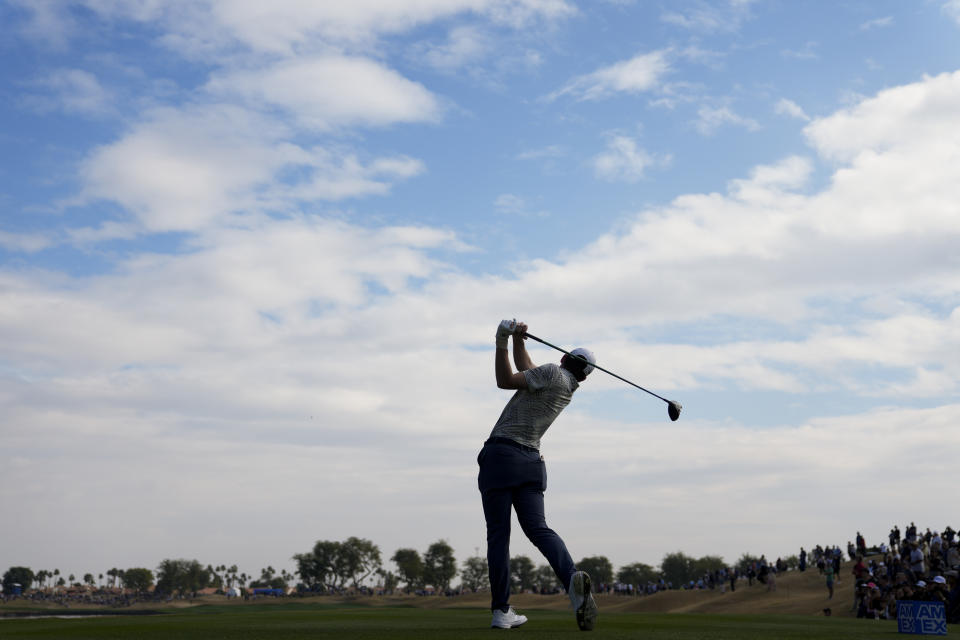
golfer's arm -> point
(506, 378)
(520, 356)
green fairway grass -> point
(256, 622)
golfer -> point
(513, 474)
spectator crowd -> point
(908, 566)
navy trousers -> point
(512, 476)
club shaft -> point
(596, 366)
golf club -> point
(673, 407)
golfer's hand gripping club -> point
(505, 329)
(673, 407)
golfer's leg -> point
(496, 510)
(528, 501)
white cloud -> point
(519, 14)
(108, 230)
(73, 91)
(193, 168)
(672, 94)
(877, 23)
(184, 170)
(550, 151)
(722, 17)
(47, 21)
(639, 74)
(332, 91)
(289, 27)
(337, 176)
(513, 205)
(707, 57)
(826, 358)
(709, 119)
(790, 108)
(952, 9)
(464, 45)
(808, 52)
(510, 203)
(789, 174)
(890, 119)
(623, 160)
(25, 242)
(292, 269)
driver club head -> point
(673, 410)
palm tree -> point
(266, 575)
(232, 571)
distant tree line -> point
(137, 579)
(172, 577)
(352, 563)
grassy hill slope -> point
(797, 593)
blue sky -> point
(252, 258)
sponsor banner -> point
(924, 618)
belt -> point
(511, 443)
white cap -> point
(587, 355)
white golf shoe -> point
(508, 620)
(582, 600)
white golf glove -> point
(504, 330)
